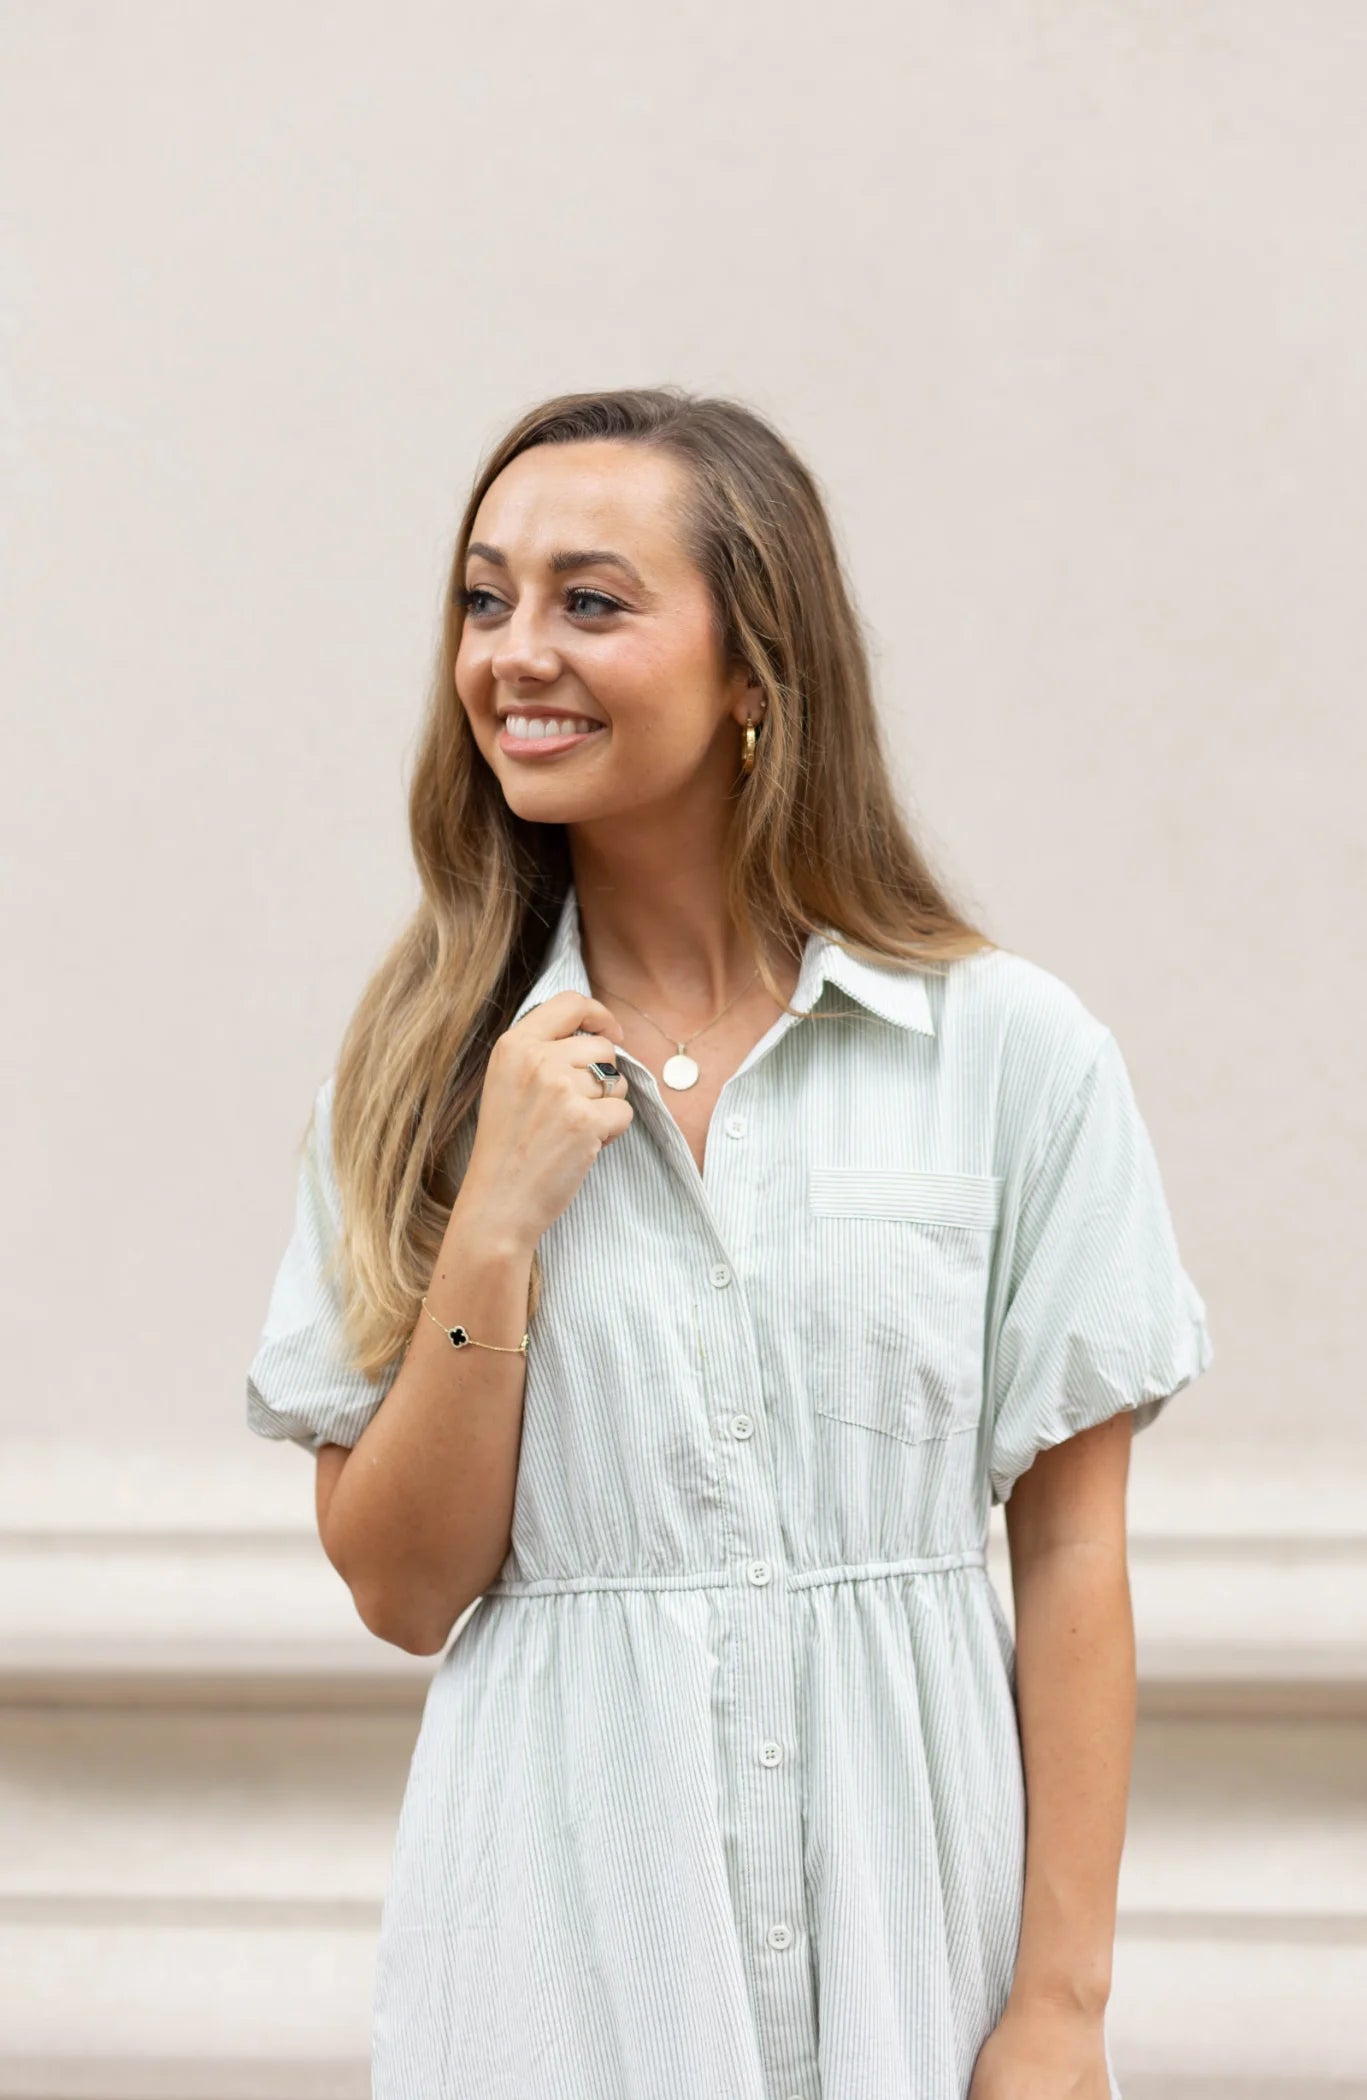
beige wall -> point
(1065, 305)
(1066, 308)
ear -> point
(750, 698)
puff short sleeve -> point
(300, 1384)
(1097, 1313)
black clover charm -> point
(457, 1337)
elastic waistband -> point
(727, 1579)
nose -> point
(516, 667)
(522, 650)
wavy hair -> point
(817, 841)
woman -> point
(703, 1227)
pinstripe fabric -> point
(718, 1792)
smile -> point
(537, 736)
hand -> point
(1043, 2052)
(543, 1117)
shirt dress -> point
(718, 1791)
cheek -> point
(472, 672)
(653, 692)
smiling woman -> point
(782, 1223)
(545, 640)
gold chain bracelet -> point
(459, 1339)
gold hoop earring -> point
(747, 752)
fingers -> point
(600, 1068)
(564, 1012)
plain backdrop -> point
(1065, 307)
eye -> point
(470, 601)
(582, 591)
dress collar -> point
(894, 991)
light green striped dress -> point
(718, 1792)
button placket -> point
(765, 1850)
(765, 1859)
(731, 1190)
(723, 1207)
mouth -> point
(543, 736)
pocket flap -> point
(970, 1200)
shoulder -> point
(322, 1106)
(317, 1141)
(1001, 1000)
(1024, 1030)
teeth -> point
(535, 726)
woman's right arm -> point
(418, 1520)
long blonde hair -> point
(817, 842)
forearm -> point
(1075, 1675)
(421, 1516)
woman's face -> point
(618, 651)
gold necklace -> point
(680, 1071)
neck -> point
(662, 938)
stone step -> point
(203, 1752)
(216, 2009)
(275, 1808)
(180, 1581)
(194, 1897)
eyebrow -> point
(559, 564)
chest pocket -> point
(898, 1295)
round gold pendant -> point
(680, 1072)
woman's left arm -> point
(1075, 1690)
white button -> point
(735, 1126)
(780, 1935)
(771, 1753)
(720, 1274)
(742, 1426)
(760, 1572)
